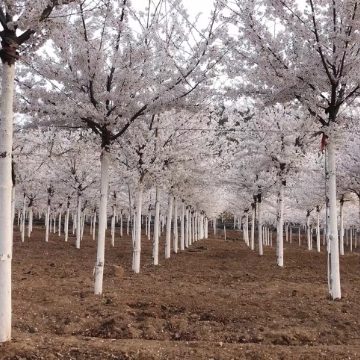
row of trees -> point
(137, 88)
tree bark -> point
(78, 223)
(6, 126)
(176, 241)
(168, 228)
(280, 224)
(100, 260)
(182, 227)
(335, 289)
(137, 240)
(261, 251)
(156, 229)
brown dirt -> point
(217, 300)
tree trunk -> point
(190, 228)
(60, 222)
(121, 223)
(175, 227)
(6, 125)
(66, 230)
(246, 228)
(318, 231)
(261, 251)
(30, 221)
(113, 226)
(168, 228)
(94, 226)
(280, 224)
(182, 227)
(308, 231)
(78, 223)
(47, 223)
(100, 260)
(23, 219)
(137, 242)
(156, 228)
(253, 209)
(342, 225)
(12, 209)
(187, 229)
(335, 289)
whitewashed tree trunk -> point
(47, 223)
(74, 222)
(6, 126)
(113, 226)
(190, 227)
(30, 221)
(246, 228)
(13, 191)
(176, 240)
(156, 229)
(252, 243)
(261, 251)
(83, 219)
(280, 224)
(78, 222)
(121, 223)
(182, 227)
(94, 225)
(137, 242)
(224, 232)
(196, 226)
(351, 242)
(214, 223)
(335, 289)
(318, 230)
(149, 226)
(342, 225)
(100, 260)
(187, 229)
(23, 219)
(60, 222)
(66, 230)
(168, 228)
(54, 219)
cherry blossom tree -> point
(308, 52)
(108, 72)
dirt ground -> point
(217, 300)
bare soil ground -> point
(217, 300)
